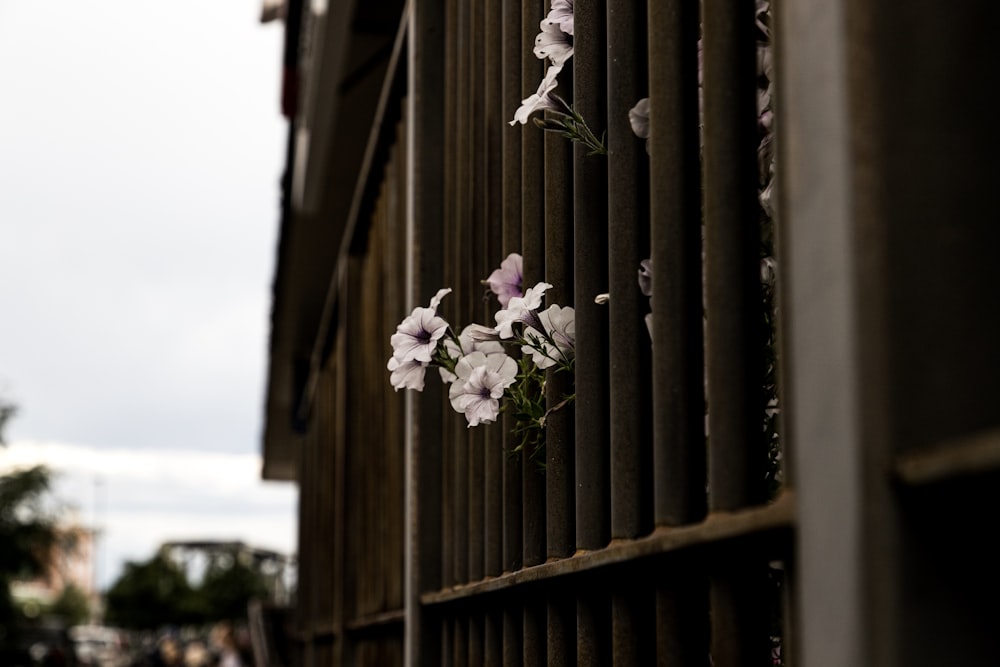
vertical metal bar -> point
(590, 238)
(493, 117)
(593, 627)
(425, 134)
(675, 238)
(633, 613)
(476, 263)
(737, 454)
(732, 238)
(512, 483)
(535, 642)
(513, 630)
(493, 637)
(533, 253)
(678, 374)
(561, 630)
(628, 244)
(475, 623)
(560, 491)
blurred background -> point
(141, 145)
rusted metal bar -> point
(628, 244)
(493, 119)
(534, 632)
(426, 134)
(593, 627)
(511, 205)
(682, 635)
(475, 656)
(561, 631)
(675, 239)
(633, 615)
(737, 454)
(493, 638)
(590, 240)
(560, 492)
(513, 630)
(533, 254)
(734, 320)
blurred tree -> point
(151, 595)
(228, 586)
(72, 606)
(27, 530)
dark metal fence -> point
(642, 539)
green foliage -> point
(72, 606)
(27, 534)
(157, 593)
(228, 587)
(152, 594)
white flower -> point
(481, 382)
(552, 43)
(406, 374)
(418, 335)
(521, 309)
(540, 100)
(469, 343)
(561, 15)
(638, 118)
(559, 326)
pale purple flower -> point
(417, 336)
(540, 100)
(553, 43)
(406, 374)
(638, 118)
(468, 343)
(561, 14)
(481, 382)
(646, 277)
(521, 309)
(557, 339)
(506, 282)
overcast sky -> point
(140, 150)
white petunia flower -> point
(638, 118)
(521, 309)
(418, 335)
(560, 326)
(469, 343)
(540, 100)
(553, 43)
(481, 382)
(561, 15)
(406, 374)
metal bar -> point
(513, 630)
(593, 626)
(734, 344)
(533, 254)
(475, 624)
(561, 630)
(590, 238)
(493, 641)
(728, 531)
(425, 134)
(560, 470)
(511, 186)
(675, 239)
(633, 614)
(682, 635)
(493, 118)
(535, 642)
(628, 244)
(475, 262)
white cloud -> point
(142, 498)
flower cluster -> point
(554, 44)
(475, 362)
